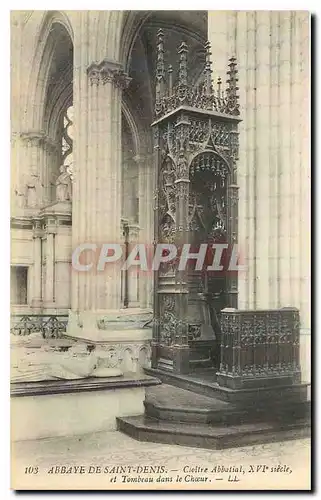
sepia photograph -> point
(160, 250)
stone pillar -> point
(37, 266)
(303, 215)
(50, 170)
(32, 157)
(36, 158)
(285, 160)
(124, 272)
(274, 161)
(145, 193)
(96, 210)
(18, 191)
(129, 189)
(50, 268)
(305, 172)
(272, 50)
(272, 53)
(134, 272)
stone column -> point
(274, 161)
(285, 160)
(272, 51)
(242, 165)
(145, 193)
(28, 160)
(303, 215)
(272, 55)
(37, 266)
(263, 251)
(305, 174)
(36, 158)
(134, 272)
(50, 267)
(50, 170)
(96, 210)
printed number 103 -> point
(31, 470)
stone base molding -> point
(121, 337)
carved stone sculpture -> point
(63, 185)
(32, 192)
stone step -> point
(200, 435)
(172, 404)
(204, 383)
(230, 416)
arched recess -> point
(209, 215)
(133, 125)
(138, 57)
(136, 149)
(45, 32)
(50, 94)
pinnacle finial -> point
(232, 88)
(170, 79)
(208, 70)
(219, 87)
(182, 72)
(160, 68)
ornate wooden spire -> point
(208, 69)
(232, 105)
(182, 71)
(170, 80)
(181, 92)
(160, 66)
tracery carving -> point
(167, 230)
(167, 181)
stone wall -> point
(272, 50)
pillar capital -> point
(33, 137)
(108, 71)
(39, 138)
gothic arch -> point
(62, 98)
(44, 50)
(132, 124)
(215, 154)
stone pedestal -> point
(123, 336)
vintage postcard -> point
(160, 250)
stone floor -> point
(284, 465)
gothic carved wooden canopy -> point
(203, 95)
(196, 152)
